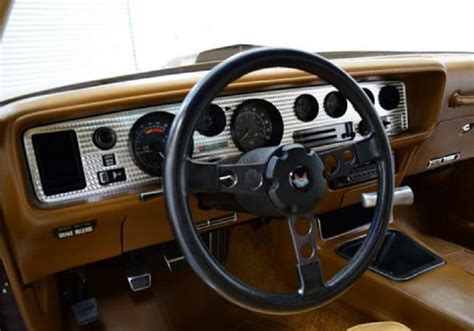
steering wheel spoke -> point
(342, 159)
(227, 178)
(303, 229)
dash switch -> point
(112, 176)
(109, 160)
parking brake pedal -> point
(85, 311)
(74, 293)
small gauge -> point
(256, 123)
(306, 107)
(335, 104)
(389, 97)
(369, 94)
(212, 122)
(148, 138)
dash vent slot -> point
(324, 135)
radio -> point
(325, 135)
(357, 175)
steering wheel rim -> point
(176, 180)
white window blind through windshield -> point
(43, 39)
(52, 43)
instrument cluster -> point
(126, 149)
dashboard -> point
(108, 154)
(75, 162)
(79, 160)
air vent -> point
(325, 135)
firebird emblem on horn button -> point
(300, 178)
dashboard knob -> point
(104, 138)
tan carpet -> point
(180, 301)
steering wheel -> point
(286, 181)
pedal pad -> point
(86, 311)
(139, 278)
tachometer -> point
(256, 123)
(148, 138)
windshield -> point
(57, 42)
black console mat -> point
(400, 258)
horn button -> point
(296, 179)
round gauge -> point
(256, 123)
(212, 122)
(369, 94)
(306, 107)
(389, 97)
(335, 104)
(148, 138)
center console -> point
(414, 279)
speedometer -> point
(256, 123)
(148, 138)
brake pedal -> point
(139, 278)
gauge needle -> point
(244, 136)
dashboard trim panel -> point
(205, 148)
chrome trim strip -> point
(216, 222)
(145, 196)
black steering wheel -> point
(283, 181)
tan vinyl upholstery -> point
(380, 326)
